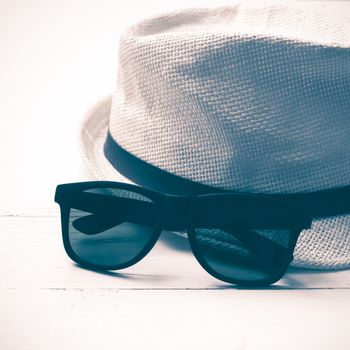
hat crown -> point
(245, 98)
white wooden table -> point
(56, 59)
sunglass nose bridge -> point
(176, 211)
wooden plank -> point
(153, 319)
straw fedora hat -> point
(244, 98)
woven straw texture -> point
(251, 99)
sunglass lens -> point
(244, 242)
(261, 255)
(111, 227)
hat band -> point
(320, 203)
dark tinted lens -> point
(244, 240)
(259, 255)
(111, 227)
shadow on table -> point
(295, 278)
(125, 275)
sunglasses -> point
(244, 239)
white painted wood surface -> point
(56, 59)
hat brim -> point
(325, 246)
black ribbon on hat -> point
(319, 203)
